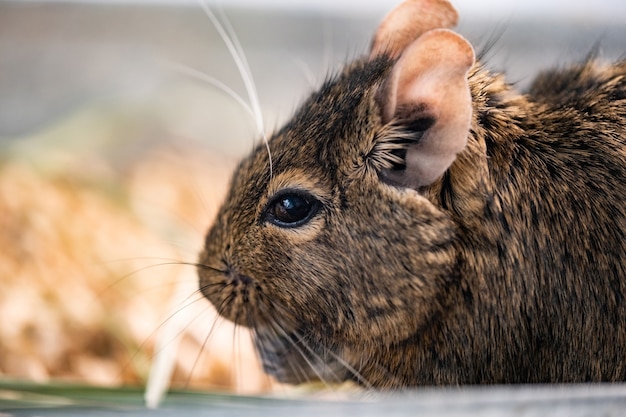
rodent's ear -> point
(428, 87)
(408, 22)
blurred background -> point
(116, 149)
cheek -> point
(310, 281)
(393, 262)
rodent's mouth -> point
(293, 359)
(234, 295)
(289, 350)
(241, 298)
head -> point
(335, 252)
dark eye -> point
(292, 209)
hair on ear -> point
(428, 90)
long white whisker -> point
(199, 75)
(246, 73)
(239, 57)
(240, 61)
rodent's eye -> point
(292, 209)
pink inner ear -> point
(430, 81)
(408, 22)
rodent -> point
(424, 223)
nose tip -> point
(237, 278)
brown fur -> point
(509, 268)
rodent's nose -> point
(237, 278)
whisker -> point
(166, 347)
(295, 367)
(204, 77)
(202, 349)
(351, 369)
(234, 48)
(301, 352)
(264, 340)
(389, 376)
(207, 267)
(270, 381)
(236, 51)
(234, 376)
(167, 262)
(163, 362)
(239, 371)
(246, 72)
(306, 71)
(176, 313)
(276, 326)
(339, 359)
(218, 285)
(302, 339)
(220, 308)
(170, 262)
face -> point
(322, 258)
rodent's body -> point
(540, 217)
(380, 250)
